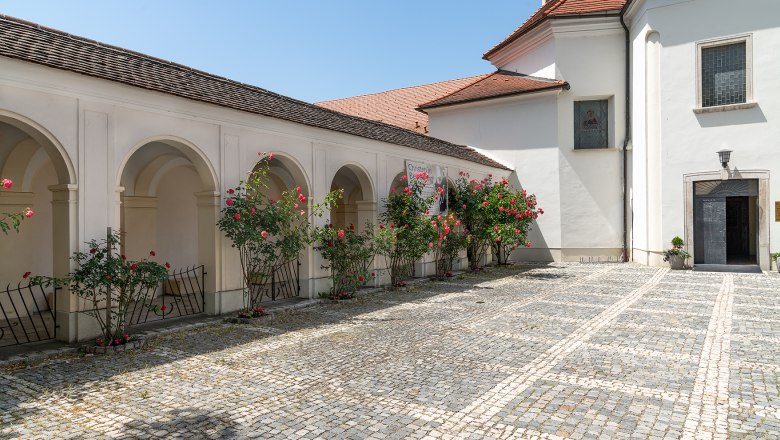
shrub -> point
(111, 284)
(405, 235)
(468, 200)
(268, 233)
(510, 216)
(349, 255)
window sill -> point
(595, 149)
(724, 108)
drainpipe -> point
(624, 179)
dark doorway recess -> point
(738, 231)
(725, 222)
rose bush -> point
(105, 278)
(468, 200)
(268, 233)
(12, 220)
(349, 255)
(510, 214)
(406, 232)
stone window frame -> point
(610, 145)
(725, 41)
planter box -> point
(676, 262)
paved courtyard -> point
(559, 351)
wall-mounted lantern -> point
(724, 156)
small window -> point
(724, 72)
(591, 124)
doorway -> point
(725, 222)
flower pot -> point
(676, 262)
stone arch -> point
(63, 166)
(169, 203)
(285, 172)
(358, 204)
(44, 180)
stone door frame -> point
(762, 248)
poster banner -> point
(438, 179)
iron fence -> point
(276, 283)
(27, 314)
(182, 294)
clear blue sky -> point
(310, 50)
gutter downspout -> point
(628, 132)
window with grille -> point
(591, 124)
(725, 72)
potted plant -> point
(676, 256)
(774, 256)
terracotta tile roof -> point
(398, 106)
(498, 84)
(33, 43)
(557, 8)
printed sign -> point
(438, 179)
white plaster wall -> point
(580, 191)
(539, 60)
(100, 124)
(522, 133)
(689, 141)
(177, 214)
(591, 59)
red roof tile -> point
(497, 84)
(556, 8)
(398, 107)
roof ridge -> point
(405, 88)
(419, 107)
(545, 12)
(176, 67)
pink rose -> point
(29, 213)
(341, 233)
(7, 183)
(229, 202)
(264, 234)
(238, 216)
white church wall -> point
(689, 140)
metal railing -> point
(282, 282)
(27, 314)
(182, 294)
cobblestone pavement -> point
(558, 351)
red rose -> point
(26, 275)
(360, 278)
(133, 266)
(167, 265)
(152, 253)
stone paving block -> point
(564, 350)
